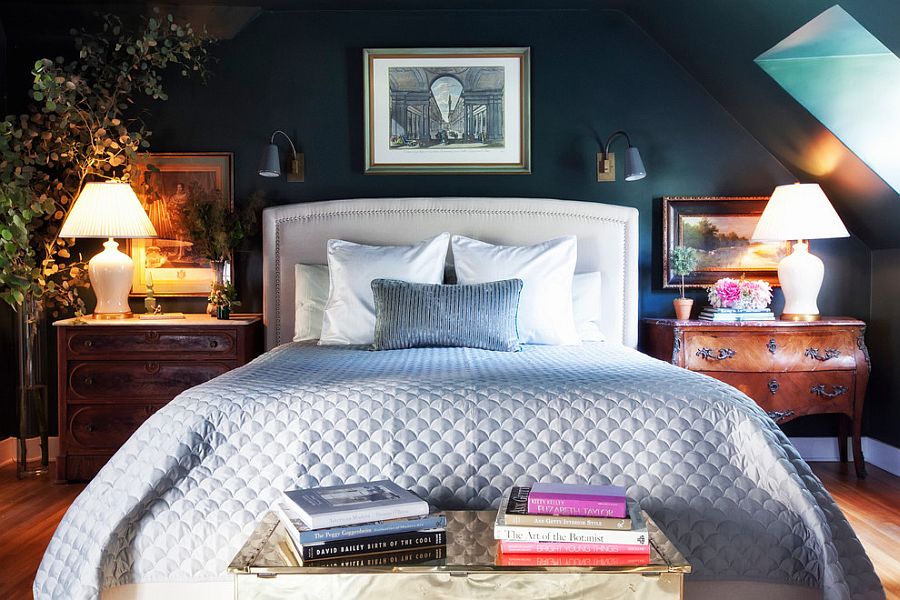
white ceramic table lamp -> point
(800, 212)
(108, 210)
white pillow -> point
(310, 296)
(586, 306)
(350, 311)
(545, 306)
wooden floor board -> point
(872, 505)
(30, 510)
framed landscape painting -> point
(447, 110)
(166, 184)
(720, 229)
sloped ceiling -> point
(717, 41)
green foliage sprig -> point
(215, 226)
(683, 260)
(81, 125)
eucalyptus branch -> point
(79, 128)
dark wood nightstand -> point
(114, 374)
(789, 368)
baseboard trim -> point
(825, 449)
(812, 449)
(9, 450)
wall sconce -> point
(606, 161)
(270, 165)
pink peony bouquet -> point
(742, 294)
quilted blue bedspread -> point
(459, 427)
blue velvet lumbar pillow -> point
(423, 315)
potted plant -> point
(683, 261)
(217, 229)
(223, 297)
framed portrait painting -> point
(166, 184)
(447, 110)
(720, 228)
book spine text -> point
(383, 543)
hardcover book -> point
(517, 514)
(573, 560)
(384, 559)
(577, 500)
(354, 503)
(394, 542)
(569, 548)
(517, 533)
(302, 534)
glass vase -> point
(31, 341)
(221, 275)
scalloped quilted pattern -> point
(458, 426)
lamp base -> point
(799, 317)
(800, 274)
(110, 272)
(112, 316)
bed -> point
(459, 426)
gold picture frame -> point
(719, 227)
(447, 110)
(164, 181)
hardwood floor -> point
(30, 511)
(872, 505)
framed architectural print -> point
(720, 228)
(447, 110)
(166, 183)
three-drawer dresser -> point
(790, 368)
(114, 374)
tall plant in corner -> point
(81, 124)
(683, 261)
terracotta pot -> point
(683, 308)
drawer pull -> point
(772, 346)
(723, 354)
(89, 428)
(829, 354)
(773, 386)
(152, 337)
(152, 368)
(88, 381)
(836, 390)
(88, 343)
(779, 415)
(213, 344)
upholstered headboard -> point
(607, 242)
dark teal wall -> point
(884, 346)
(593, 72)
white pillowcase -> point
(350, 311)
(311, 294)
(545, 306)
(586, 307)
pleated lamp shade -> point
(799, 211)
(107, 210)
(634, 166)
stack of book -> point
(554, 524)
(363, 525)
(736, 314)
